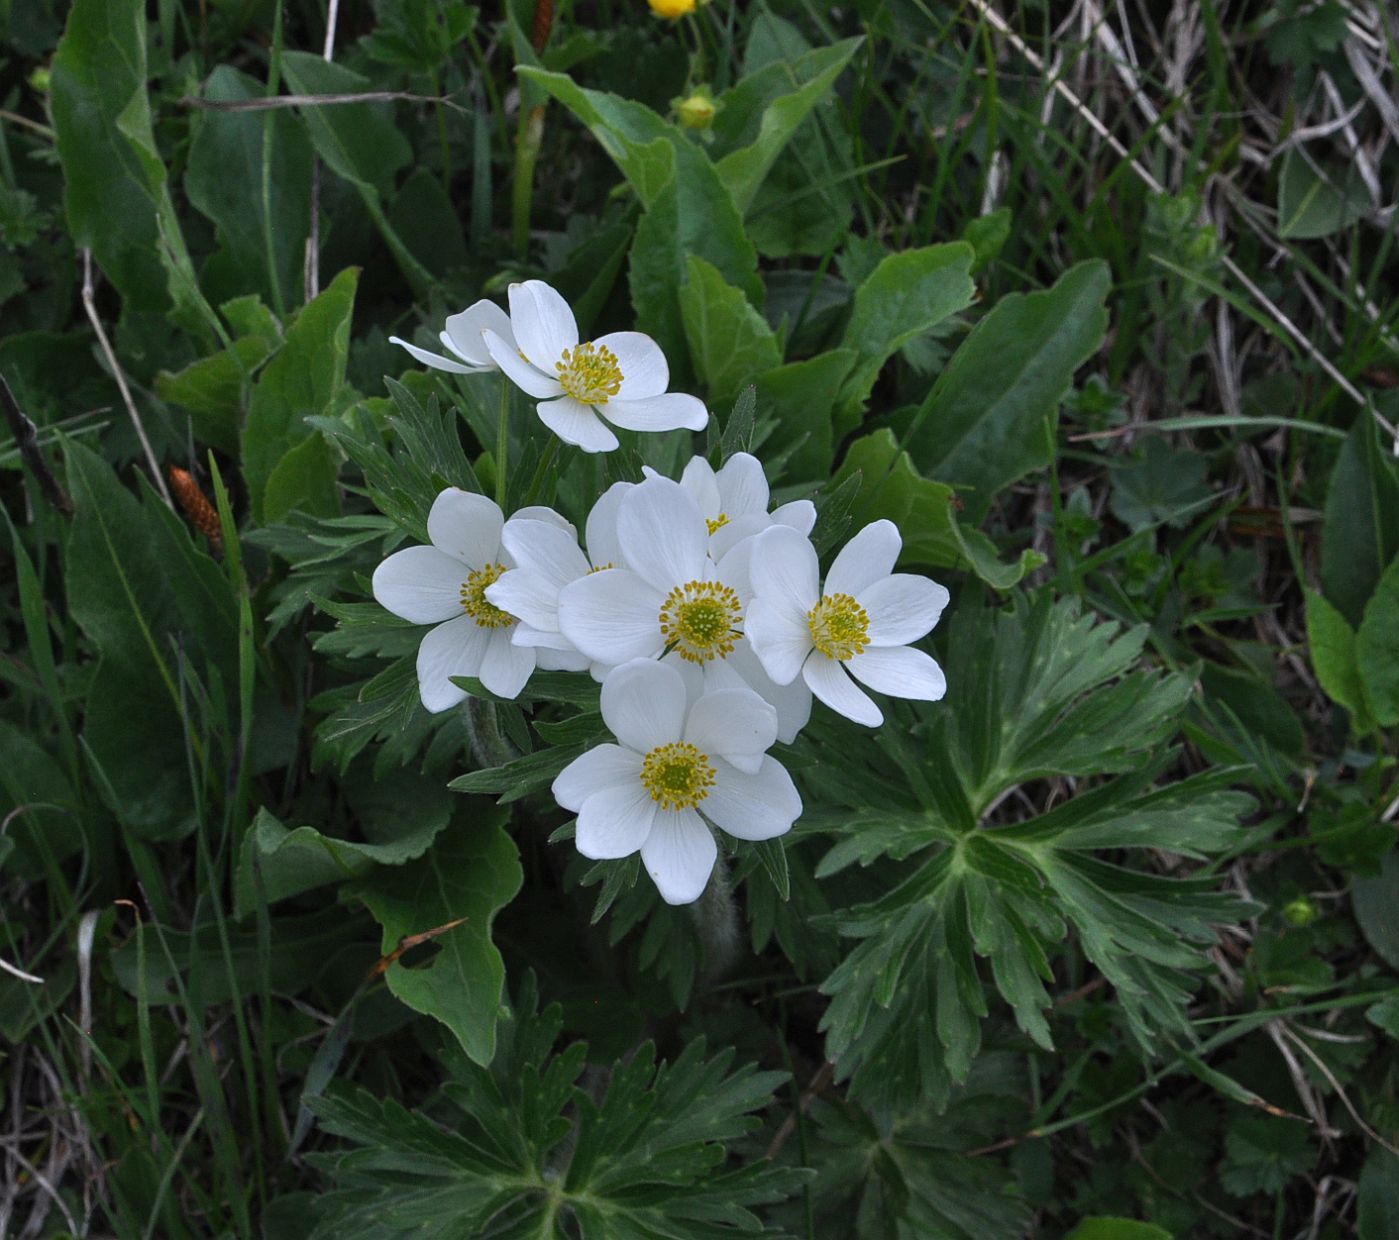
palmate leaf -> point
(527, 1152)
(1040, 690)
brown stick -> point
(27, 437)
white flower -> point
(860, 624)
(734, 501)
(671, 599)
(547, 558)
(622, 376)
(463, 339)
(445, 585)
(678, 762)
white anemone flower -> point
(733, 500)
(679, 765)
(547, 558)
(671, 599)
(462, 338)
(622, 376)
(860, 624)
(445, 585)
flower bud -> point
(697, 111)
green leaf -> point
(1332, 644)
(801, 397)
(743, 170)
(924, 511)
(1316, 203)
(1377, 649)
(1264, 1153)
(289, 862)
(1377, 1209)
(300, 382)
(1360, 527)
(304, 481)
(211, 389)
(1374, 901)
(1105, 1228)
(730, 342)
(469, 874)
(643, 1155)
(906, 296)
(989, 419)
(115, 192)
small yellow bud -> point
(671, 10)
(697, 112)
(39, 79)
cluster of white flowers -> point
(700, 611)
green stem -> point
(527, 145)
(541, 470)
(502, 443)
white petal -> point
(791, 701)
(576, 424)
(539, 512)
(523, 375)
(669, 411)
(643, 702)
(902, 608)
(615, 822)
(900, 671)
(698, 479)
(527, 596)
(800, 514)
(752, 807)
(728, 538)
(452, 649)
(420, 584)
(679, 855)
(435, 360)
(742, 486)
(463, 333)
(551, 643)
(780, 636)
(866, 558)
(785, 569)
(731, 721)
(544, 325)
(643, 365)
(612, 616)
(605, 766)
(600, 532)
(829, 682)
(545, 550)
(506, 667)
(560, 660)
(466, 526)
(663, 536)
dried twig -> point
(27, 438)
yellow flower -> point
(671, 10)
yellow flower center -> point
(601, 568)
(589, 373)
(700, 620)
(677, 776)
(717, 523)
(475, 603)
(840, 627)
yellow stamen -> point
(840, 627)
(717, 523)
(590, 373)
(601, 568)
(700, 620)
(475, 603)
(677, 776)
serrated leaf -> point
(469, 874)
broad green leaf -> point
(250, 172)
(801, 398)
(730, 342)
(1375, 900)
(1377, 1207)
(924, 511)
(115, 191)
(469, 874)
(359, 142)
(743, 170)
(1332, 644)
(37, 801)
(289, 861)
(303, 480)
(1377, 649)
(907, 295)
(1317, 203)
(300, 382)
(989, 419)
(1360, 528)
(211, 389)
(1105, 1228)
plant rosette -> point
(860, 625)
(680, 764)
